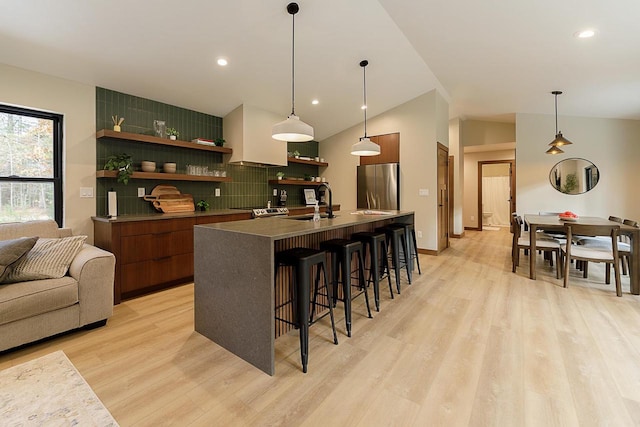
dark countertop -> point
(196, 214)
(285, 227)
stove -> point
(262, 212)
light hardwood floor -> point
(469, 343)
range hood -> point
(247, 130)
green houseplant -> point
(202, 205)
(123, 163)
(571, 183)
(219, 142)
(280, 175)
(296, 154)
(172, 133)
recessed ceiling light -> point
(222, 62)
(584, 34)
(315, 102)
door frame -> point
(446, 203)
(512, 185)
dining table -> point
(554, 223)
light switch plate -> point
(275, 191)
(141, 191)
(86, 192)
(423, 192)
(217, 192)
(419, 233)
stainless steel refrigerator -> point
(379, 186)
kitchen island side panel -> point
(233, 293)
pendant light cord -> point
(364, 79)
(556, 95)
(293, 68)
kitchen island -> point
(234, 270)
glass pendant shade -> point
(554, 150)
(560, 140)
(365, 147)
(293, 129)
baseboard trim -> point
(472, 228)
(457, 236)
(427, 251)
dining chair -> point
(521, 240)
(572, 251)
(624, 247)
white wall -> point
(455, 150)
(471, 181)
(612, 145)
(77, 102)
(417, 121)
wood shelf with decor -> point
(165, 176)
(307, 162)
(293, 182)
(149, 139)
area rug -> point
(49, 391)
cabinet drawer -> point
(137, 228)
(146, 274)
(153, 246)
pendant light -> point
(365, 147)
(559, 140)
(293, 129)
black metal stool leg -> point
(329, 293)
(362, 282)
(303, 312)
(386, 266)
(415, 248)
(346, 289)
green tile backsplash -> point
(248, 187)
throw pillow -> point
(49, 259)
(11, 251)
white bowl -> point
(148, 166)
(169, 167)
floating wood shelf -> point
(306, 162)
(294, 182)
(138, 137)
(165, 176)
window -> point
(31, 166)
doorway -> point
(443, 197)
(496, 194)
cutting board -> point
(167, 198)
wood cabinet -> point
(152, 254)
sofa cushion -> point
(49, 259)
(11, 251)
(26, 299)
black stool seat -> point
(342, 250)
(410, 231)
(302, 260)
(396, 239)
(376, 243)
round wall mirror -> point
(574, 176)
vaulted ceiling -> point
(490, 60)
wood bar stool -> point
(376, 244)
(342, 251)
(302, 260)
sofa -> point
(34, 309)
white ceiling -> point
(488, 59)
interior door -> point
(443, 197)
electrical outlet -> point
(141, 191)
(423, 192)
(275, 192)
(419, 234)
(217, 192)
(86, 192)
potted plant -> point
(219, 142)
(202, 205)
(173, 133)
(296, 154)
(123, 163)
(280, 175)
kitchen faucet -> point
(330, 204)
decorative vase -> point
(116, 128)
(172, 137)
(280, 178)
